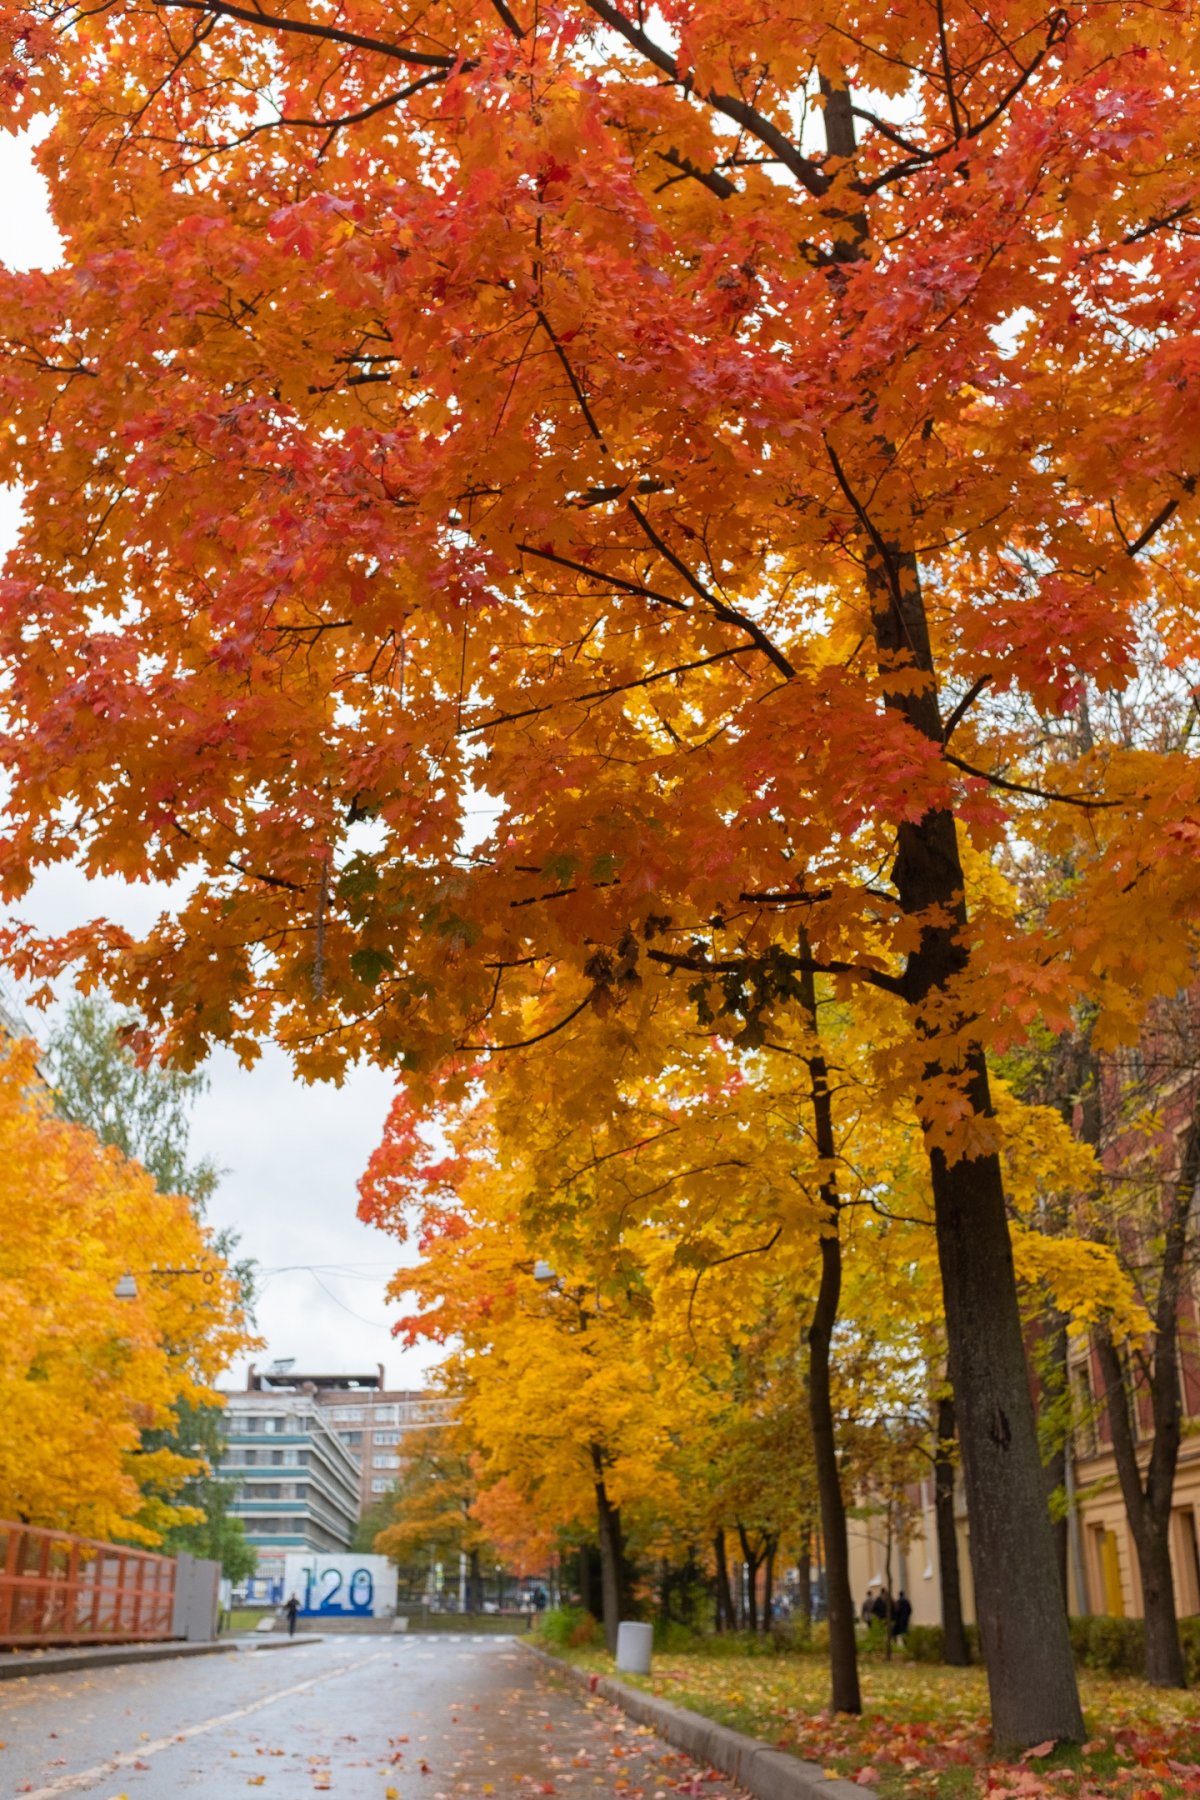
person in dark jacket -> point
(901, 1614)
(291, 1609)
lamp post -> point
(127, 1287)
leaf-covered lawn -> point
(924, 1732)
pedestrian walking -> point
(901, 1614)
(291, 1609)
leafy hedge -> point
(1109, 1646)
(569, 1628)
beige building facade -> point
(1102, 1567)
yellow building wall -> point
(1104, 1547)
(1111, 1582)
(914, 1559)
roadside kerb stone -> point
(15, 1664)
(18, 1663)
(766, 1773)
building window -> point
(1107, 1566)
(387, 1437)
(1186, 1560)
(386, 1462)
(386, 1415)
(1084, 1408)
(346, 1412)
(380, 1486)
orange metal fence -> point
(59, 1589)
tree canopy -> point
(523, 506)
(85, 1375)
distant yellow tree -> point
(432, 1507)
(83, 1373)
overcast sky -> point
(292, 1153)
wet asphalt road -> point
(397, 1718)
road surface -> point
(395, 1718)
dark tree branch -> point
(604, 693)
(956, 717)
(1165, 513)
(641, 589)
(744, 965)
(225, 9)
(729, 614)
(720, 185)
(538, 1038)
(508, 18)
(808, 173)
(1088, 801)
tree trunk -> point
(1056, 1388)
(1022, 1621)
(1148, 1499)
(955, 1648)
(843, 1645)
(608, 1519)
(1149, 1520)
(726, 1619)
(804, 1572)
(768, 1583)
(752, 1565)
(1018, 1596)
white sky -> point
(292, 1153)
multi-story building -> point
(298, 1484)
(381, 1428)
(376, 1424)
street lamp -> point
(127, 1287)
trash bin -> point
(633, 1647)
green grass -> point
(245, 1618)
(924, 1734)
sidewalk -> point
(17, 1663)
(764, 1772)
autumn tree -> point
(86, 1376)
(208, 1525)
(431, 1509)
(1140, 1110)
(144, 1112)
(694, 1204)
(661, 436)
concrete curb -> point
(100, 1656)
(767, 1774)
